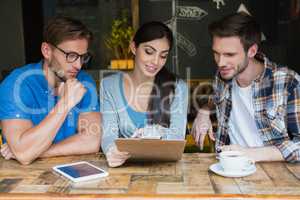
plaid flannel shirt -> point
(276, 99)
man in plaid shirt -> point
(257, 102)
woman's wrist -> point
(204, 111)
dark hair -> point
(164, 82)
(61, 28)
(238, 24)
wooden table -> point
(186, 179)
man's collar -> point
(263, 59)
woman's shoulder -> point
(112, 77)
(111, 80)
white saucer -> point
(216, 168)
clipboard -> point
(141, 149)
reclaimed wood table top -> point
(188, 178)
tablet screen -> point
(80, 170)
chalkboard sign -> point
(191, 18)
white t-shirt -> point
(242, 127)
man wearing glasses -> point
(51, 108)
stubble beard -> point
(240, 69)
(58, 72)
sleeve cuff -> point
(290, 150)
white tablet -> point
(80, 171)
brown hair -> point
(238, 24)
(61, 28)
(164, 83)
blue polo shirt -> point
(26, 94)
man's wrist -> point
(62, 106)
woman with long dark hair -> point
(149, 101)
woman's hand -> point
(115, 157)
(138, 133)
(149, 131)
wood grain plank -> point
(131, 168)
(119, 181)
(142, 187)
(167, 168)
(224, 185)
(30, 189)
(294, 168)
(259, 182)
(61, 186)
(181, 188)
(8, 184)
(188, 178)
(280, 175)
(46, 178)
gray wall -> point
(12, 51)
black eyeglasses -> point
(73, 56)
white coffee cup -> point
(234, 161)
